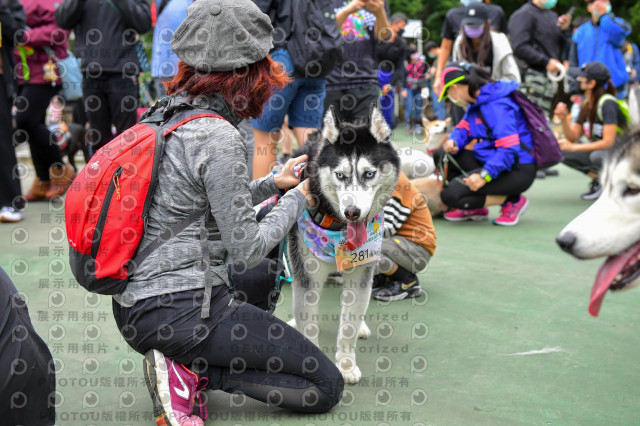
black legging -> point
(511, 183)
(246, 350)
(32, 103)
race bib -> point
(366, 253)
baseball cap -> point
(453, 73)
(593, 71)
(223, 35)
(475, 14)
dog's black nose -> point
(352, 213)
(566, 241)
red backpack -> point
(108, 202)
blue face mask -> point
(550, 4)
(469, 2)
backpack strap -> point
(604, 98)
(163, 130)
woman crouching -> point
(487, 144)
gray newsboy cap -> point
(221, 35)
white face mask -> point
(458, 102)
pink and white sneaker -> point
(173, 389)
(460, 215)
(511, 212)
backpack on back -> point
(624, 109)
(315, 42)
(546, 151)
(107, 205)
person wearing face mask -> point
(498, 168)
(491, 50)
(451, 28)
(412, 93)
(538, 36)
(601, 40)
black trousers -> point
(109, 99)
(240, 348)
(27, 379)
(352, 104)
(511, 183)
(31, 104)
(10, 192)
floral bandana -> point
(324, 244)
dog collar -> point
(326, 221)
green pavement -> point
(501, 336)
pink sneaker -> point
(173, 389)
(460, 215)
(511, 212)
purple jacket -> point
(42, 31)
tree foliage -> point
(432, 12)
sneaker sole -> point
(472, 218)
(8, 220)
(515, 222)
(591, 197)
(158, 387)
(401, 296)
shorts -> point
(302, 100)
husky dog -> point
(352, 171)
(611, 226)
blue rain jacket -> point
(603, 43)
(499, 149)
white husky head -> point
(611, 226)
(353, 167)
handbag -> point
(70, 74)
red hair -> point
(246, 89)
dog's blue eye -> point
(369, 175)
(340, 175)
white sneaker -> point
(10, 215)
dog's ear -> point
(377, 124)
(330, 130)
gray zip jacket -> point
(206, 160)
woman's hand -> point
(450, 147)
(475, 182)
(566, 145)
(561, 111)
(306, 191)
(285, 178)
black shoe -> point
(379, 280)
(540, 174)
(595, 189)
(551, 172)
(395, 290)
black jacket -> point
(106, 38)
(391, 57)
(535, 37)
(280, 13)
(13, 19)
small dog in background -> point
(420, 168)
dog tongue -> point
(606, 274)
(356, 234)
